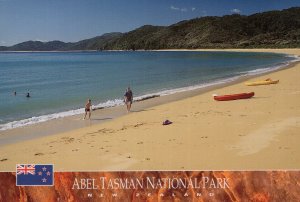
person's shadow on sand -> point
(142, 110)
(100, 119)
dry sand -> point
(253, 134)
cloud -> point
(181, 9)
(174, 8)
(235, 10)
(2, 42)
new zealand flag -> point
(34, 175)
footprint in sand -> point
(129, 157)
(38, 154)
(105, 130)
(68, 140)
(140, 143)
(107, 151)
(74, 149)
(124, 140)
(196, 114)
(92, 133)
(138, 124)
(123, 128)
(101, 147)
(3, 159)
(148, 159)
(53, 152)
(132, 126)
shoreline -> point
(118, 102)
(240, 132)
(35, 130)
(103, 114)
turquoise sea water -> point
(61, 82)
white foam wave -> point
(263, 70)
(39, 119)
(43, 118)
(108, 103)
(296, 58)
(195, 87)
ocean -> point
(60, 82)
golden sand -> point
(252, 134)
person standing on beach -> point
(88, 109)
(128, 98)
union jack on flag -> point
(34, 175)
(25, 169)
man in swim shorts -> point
(128, 98)
(88, 108)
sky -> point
(74, 20)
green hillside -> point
(273, 29)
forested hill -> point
(272, 29)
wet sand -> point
(258, 133)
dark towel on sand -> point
(167, 122)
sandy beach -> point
(261, 133)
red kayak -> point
(234, 96)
